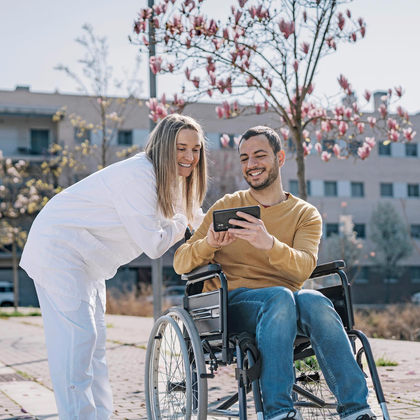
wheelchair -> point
(188, 344)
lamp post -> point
(157, 264)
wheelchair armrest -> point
(202, 273)
(328, 268)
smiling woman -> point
(81, 237)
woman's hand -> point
(219, 239)
(254, 231)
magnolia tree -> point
(268, 53)
(96, 82)
(20, 198)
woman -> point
(81, 237)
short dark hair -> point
(272, 137)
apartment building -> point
(391, 173)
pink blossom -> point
(219, 111)
(393, 135)
(196, 82)
(210, 92)
(305, 47)
(249, 81)
(217, 43)
(285, 133)
(356, 119)
(318, 147)
(361, 127)
(237, 140)
(363, 31)
(306, 148)
(305, 16)
(371, 121)
(140, 26)
(341, 21)
(242, 3)
(171, 67)
(409, 133)
(343, 127)
(238, 15)
(392, 124)
(364, 151)
(326, 126)
(398, 91)
(360, 21)
(400, 111)
(146, 14)
(353, 37)
(310, 88)
(163, 99)
(382, 109)
(344, 83)
(355, 107)
(178, 102)
(318, 134)
(296, 65)
(155, 64)
(348, 13)
(370, 141)
(187, 73)
(226, 33)
(325, 156)
(348, 112)
(286, 28)
(224, 140)
(152, 104)
(258, 108)
(331, 43)
(367, 95)
(265, 105)
(336, 149)
(305, 134)
(253, 11)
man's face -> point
(260, 166)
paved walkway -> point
(26, 392)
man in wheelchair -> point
(266, 262)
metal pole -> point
(157, 264)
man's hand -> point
(219, 239)
(253, 231)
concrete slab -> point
(34, 398)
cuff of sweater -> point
(204, 250)
(275, 252)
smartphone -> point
(221, 217)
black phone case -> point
(221, 217)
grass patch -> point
(383, 361)
(18, 314)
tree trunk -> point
(297, 136)
(15, 274)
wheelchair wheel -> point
(197, 364)
(310, 377)
(167, 373)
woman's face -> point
(188, 146)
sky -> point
(36, 36)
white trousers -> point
(75, 335)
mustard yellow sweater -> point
(296, 226)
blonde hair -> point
(161, 150)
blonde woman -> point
(81, 237)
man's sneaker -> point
(366, 417)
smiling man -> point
(266, 263)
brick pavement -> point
(22, 348)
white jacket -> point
(90, 229)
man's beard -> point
(271, 178)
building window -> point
(360, 229)
(362, 276)
(82, 134)
(357, 189)
(125, 137)
(330, 188)
(411, 149)
(413, 190)
(384, 150)
(387, 190)
(294, 187)
(415, 231)
(415, 274)
(39, 141)
(332, 228)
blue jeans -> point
(276, 315)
